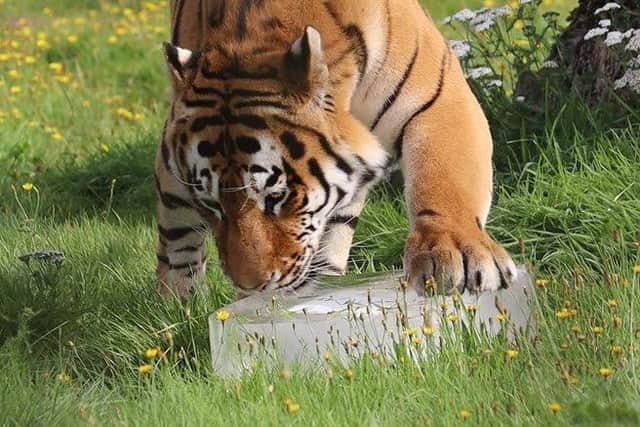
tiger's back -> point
(344, 88)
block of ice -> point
(349, 317)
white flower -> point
(494, 83)
(461, 16)
(606, 7)
(549, 64)
(520, 99)
(605, 23)
(634, 42)
(616, 37)
(631, 79)
(595, 32)
(461, 48)
(485, 18)
(476, 73)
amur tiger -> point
(284, 115)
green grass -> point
(71, 337)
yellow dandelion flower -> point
(348, 374)
(598, 330)
(152, 353)
(518, 25)
(409, 332)
(290, 406)
(612, 303)
(564, 313)
(605, 372)
(542, 283)
(636, 269)
(65, 78)
(145, 369)
(56, 136)
(616, 349)
(427, 331)
(4, 57)
(72, 39)
(63, 378)
(501, 317)
(13, 74)
(464, 414)
(28, 186)
(29, 59)
(512, 354)
(617, 321)
(15, 89)
(452, 317)
(222, 315)
(104, 148)
(47, 11)
(42, 44)
(416, 340)
(56, 67)
(123, 112)
(112, 40)
(554, 407)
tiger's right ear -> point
(182, 64)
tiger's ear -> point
(182, 64)
(304, 62)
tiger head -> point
(267, 154)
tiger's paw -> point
(442, 260)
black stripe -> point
(324, 143)
(237, 73)
(356, 38)
(293, 144)
(216, 17)
(392, 99)
(316, 171)
(428, 212)
(212, 205)
(163, 259)
(426, 105)
(248, 144)
(201, 123)
(479, 224)
(261, 103)
(189, 265)
(247, 93)
(249, 120)
(203, 103)
(273, 178)
(241, 24)
(207, 91)
(189, 249)
(351, 221)
(175, 233)
(175, 39)
(171, 201)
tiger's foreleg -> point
(446, 160)
(181, 244)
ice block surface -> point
(348, 317)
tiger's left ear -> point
(304, 62)
(182, 64)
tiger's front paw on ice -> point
(442, 261)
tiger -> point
(284, 114)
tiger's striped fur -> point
(286, 112)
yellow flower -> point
(222, 315)
(616, 349)
(56, 67)
(409, 332)
(597, 330)
(518, 25)
(612, 303)
(427, 330)
(512, 354)
(63, 378)
(104, 148)
(501, 317)
(13, 74)
(152, 353)
(565, 313)
(416, 340)
(348, 374)
(27, 186)
(554, 407)
(465, 415)
(524, 43)
(605, 372)
(29, 59)
(291, 406)
(56, 136)
(42, 43)
(112, 40)
(72, 39)
(15, 89)
(145, 369)
(636, 269)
